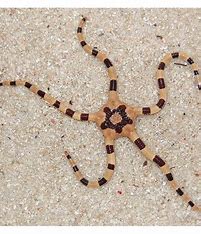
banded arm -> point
(102, 57)
(61, 106)
(165, 169)
(109, 170)
(161, 82)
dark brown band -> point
(140, 144)
(56, 104)
(84, 117)
(110, 149)
(175, 55)
(196, 72)
(94, 52)
(146, 110)
(102, 181)
(75, 168)
(41, 93)
(161, 83)
(107, 63)
(161, 103)
(70, 112)
(13, 83)
(79, 30)
(28, 85)
(111, 166)
(83, 43)
(84, 181)
(180, 192)
(191, 203)
(159, 161)
(161, 66)
(113, 85)
(190, 61)
(68, 156)
(169, 176)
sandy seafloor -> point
(37, 186)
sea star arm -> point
(109, 170)
(164, 167)
(147, 110)
(113, 95)
(61, 106)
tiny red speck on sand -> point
(53, 121)
(119, 192)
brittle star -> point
(117, 119)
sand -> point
(37, 186)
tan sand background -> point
(37, 186)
